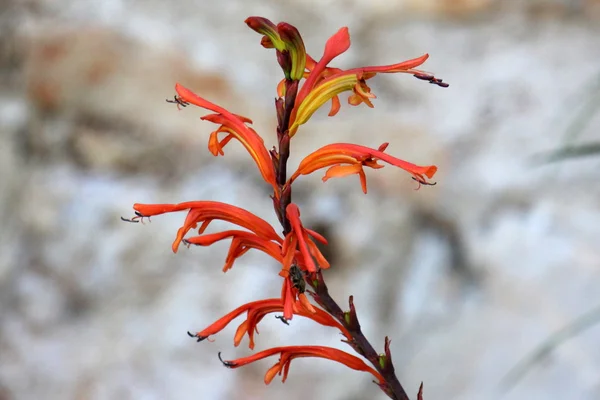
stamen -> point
(138, 218)
(195, 336)
(431, 79)
(423, 182)
(228, 364)
(179, 101)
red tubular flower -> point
(357, 157)
(256, 311)
(288, 353)
(301, 236)
(205, 212)
(235, 127)
(324, 84)
(256, 314)
(241, 243)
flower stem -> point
(360, 344)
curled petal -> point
(242, 242)
(222, 322)
(306, 246)
(288, 353)
(322, 93)
(268, 29)
(207, 211)
(324, 83)
(336, 45)
(357, 156)
(235, 126)
(295, 46)
(256, 311)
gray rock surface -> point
(466, 277)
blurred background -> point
(469, 278)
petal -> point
(336, 45)
(295, 46)
(222, 322)
(339, 171)
(293, 214)
(236, 126)
(271, 372)
(206, 211)
(288, 353)
(335, 106)
(321, 94)
(346, 153)
(266, 27)
(242, 242)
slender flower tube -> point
(301, 236)
(288, 353)
(337, 82)
(357, 157)
(256, 311)
(256, 314)
(242, 242)
(235, 127)
(324, 83)
(205, 212)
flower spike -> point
(235, 127)
(288, 353)
(357, 157)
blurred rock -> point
(466, 277)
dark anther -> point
(431, 79)
(179, 101)
(424, 77)
(138, 218)
(282, 319)
(228, 364)
(424, 182)
(195, 336)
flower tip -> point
(227, 364)
(338, 43)
(430, 172)
(196, 336)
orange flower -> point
(300, 236)
(242, 242)
(256, 311)
(324, 83)
(235, 127)
(357, 157)
(205, 212)
(288, 353)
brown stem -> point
(393, 388)
(284, 151)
